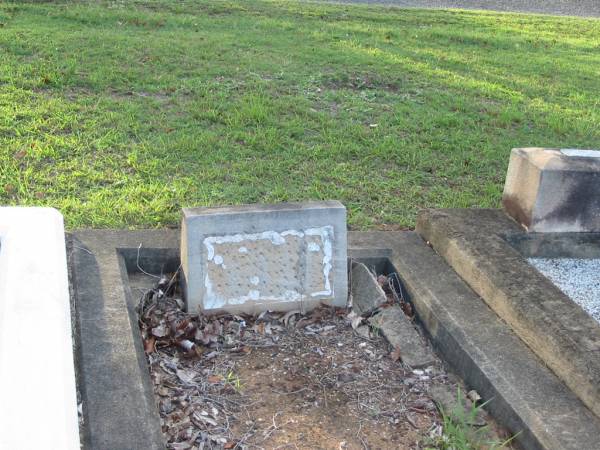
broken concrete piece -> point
(551, 190)
(400, 333)
(363, 331)
(366, 292)
(254, 258)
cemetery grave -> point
(319, 375)
(177, 340)
(277, 380)
(555, 193)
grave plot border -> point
(119, 405)
(118, 402)
(483, 246)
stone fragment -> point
(363, 331)
(401, 333)
(366, 292)
(254, 258)
(551, 190)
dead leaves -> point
(149, 344)
(160, 331)
(197, 395)
(204, 392)
(186, 376)
(215, 379)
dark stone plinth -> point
(552, 190)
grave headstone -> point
(552, 190)
(257, 257)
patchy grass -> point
(120, 113)
(460, 434)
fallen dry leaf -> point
(396, 354)
(286, 318)
(474, 396)
(160, 331)
(149, 344)
(187, 376)
(214, 379)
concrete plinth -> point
(551, 190)
(37, 373)
(257, 257)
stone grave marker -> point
(264, 257)
(552, 190)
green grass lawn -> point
(120, 113)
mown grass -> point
(119, 113)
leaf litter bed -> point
(283, 380)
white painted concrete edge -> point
(38, 407)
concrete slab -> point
(256, 257)
(556, 245)
(366, 292)
(525, 396)
(479, 346)
(475, 243)
(118, 402)
(402, 335)
(37, 372)
(553, 190)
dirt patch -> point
(359, 82)
(297, 381)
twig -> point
(269, 431)
(137, 263)
(84, 249)
(290, 393)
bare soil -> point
(295, 381)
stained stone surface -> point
(578, 278)
(256, 257)
(553, 190)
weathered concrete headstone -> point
(551, 190)
(36, 348)
(257, 257)
(366, 292)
